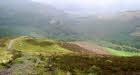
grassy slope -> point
(121, 53)
(27, 45)
(28, 50)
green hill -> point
(33, 46)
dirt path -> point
(17, 67)
(92, 48)
(12, 41)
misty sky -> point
(94, 5)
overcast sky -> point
(94, 5)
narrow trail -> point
(12, 41)
(17, 67)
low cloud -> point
(94, 5)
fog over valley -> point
(93, 6)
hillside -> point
(33, 46)
(28, 55)
(19, 53)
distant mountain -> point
(24, 17)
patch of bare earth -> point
(92, 48)
(137, 32)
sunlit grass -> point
(5, 55)
(121, 53)
(26, 47)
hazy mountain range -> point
(42, 20)
(27, 18)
